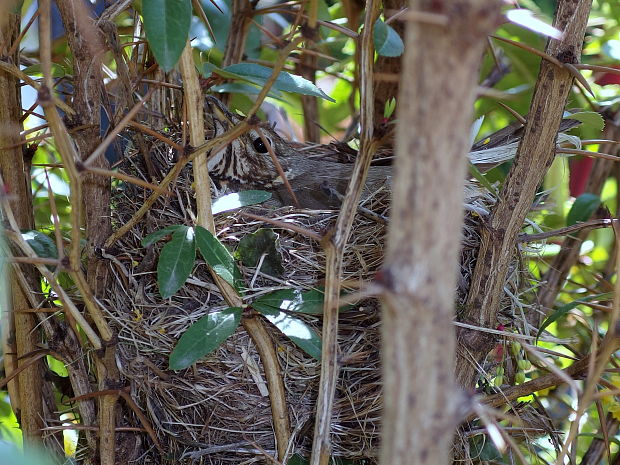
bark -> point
(419, 276)
(87, 46)
(86, 43)
(15, 170)
(534, 156)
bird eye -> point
(259, 145)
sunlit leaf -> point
(166, 23)
(239, 199)
(526, 19)
(219, 258)
(292, 300)
(204, 336)
(582, 208)
(176, 261)
(387, 41)
(297, 330)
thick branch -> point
(440, 69)
(534, 156)
(15, 170)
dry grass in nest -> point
(218, 410)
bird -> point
(318, 183)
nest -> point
(218, 410)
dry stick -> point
(336, 243)
(194, 102)
(535, 153)
(123, 177)
(155, 134)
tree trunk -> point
(419, 276)
(15, 170)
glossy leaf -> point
(582, 208)
(387, 41)
(176, 261)
(261, 245)
(292, 300)
(204, 336)
(166, 23)
(158, 235)
(297, 330)
(239, 199)
(564, 309)
(246, 89)
(219, 258)
(258, 74)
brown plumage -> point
(319, 182)
(246, 163)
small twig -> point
(278, 166)
(594, 224)
(527, 48)
(514, 113)
(284, 225)
(124, 177)
(606, 156)
(130, 402)
(157, 135)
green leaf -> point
(158, 235)
(239, 199)
(582, 208)
(261, 243)
(387, 41)
(166, 23)
(42, 245)
(297, 330)
(35, 70)
(246, 89)
(591, 119)
(219, 258)
(176, 261)
(564, 309)
(204, 336)
(258, 74)
(292, 300)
